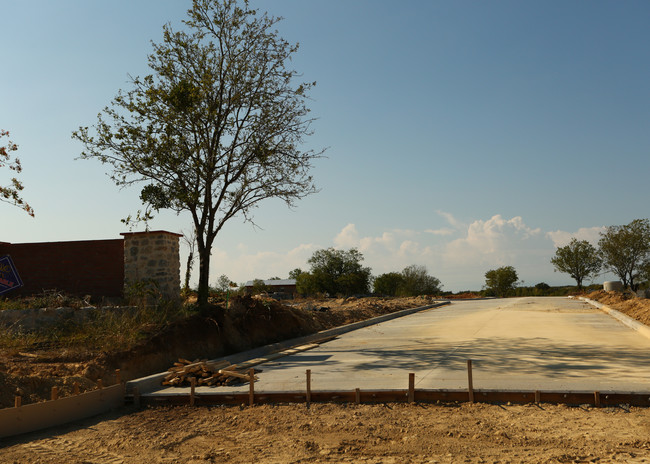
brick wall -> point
(97, 267)
(92, 267)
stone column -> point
(153, 257)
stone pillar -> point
(153, 256)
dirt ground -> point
(380, 433)
(383, 433)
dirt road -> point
(384, 433)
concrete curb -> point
(627, 320)
(153, 382)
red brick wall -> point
(92, 267)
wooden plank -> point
(251, 382)
(308, 397)
(432, 396)
(37, 416)
(235, 374)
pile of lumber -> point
(206, 373)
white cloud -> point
(562, 238)
(497, 241)
(243, 266)
(443, 231)
(455, 223)
(347, 238)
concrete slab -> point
(515, 344)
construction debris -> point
(206, 373)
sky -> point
(460, 135)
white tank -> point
(613, 286)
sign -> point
(9, 278)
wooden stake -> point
(18, 401)
(308, 387)
(192, 388)
(538, 397)
(251, 393)
(55, 393)
(357, 396)
(411, 396)
(100, 384)
(118, 376)
(75, 388)
(470, 382)
(597, 399)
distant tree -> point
(579, 259)
(215, 129)
(417, 281)
(259, 287)
(224, 283)
(542, 286)
(388, 284)
(337, 272)
(11, 193)
(625, 250)
(501, 281)
(295, 273)
(306, 284)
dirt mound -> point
(627, 303)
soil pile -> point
(627, 303)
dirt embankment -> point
(627, 303)
(247, 323)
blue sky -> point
(460, 135)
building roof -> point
(274, 283)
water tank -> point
(613, 286)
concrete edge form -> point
(627, 320)
(153, 382)
(37, 416)
(595, 398)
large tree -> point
(501, 281)
(626, 249)
(216, 128)
(579, 259)
(417, 281)
(11, 193)
(335, 272)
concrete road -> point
(515, 344)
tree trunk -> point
(204, 277)
(188, 270)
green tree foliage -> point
(295, 273)
(11, 193)
(579, 259)
(224, 283)
(306, 284)
(417, 281)
(335, 272)
(625, 250)
(501, 281)
(388, 284)
(215, 128)
(259, 287)
(414, 280)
